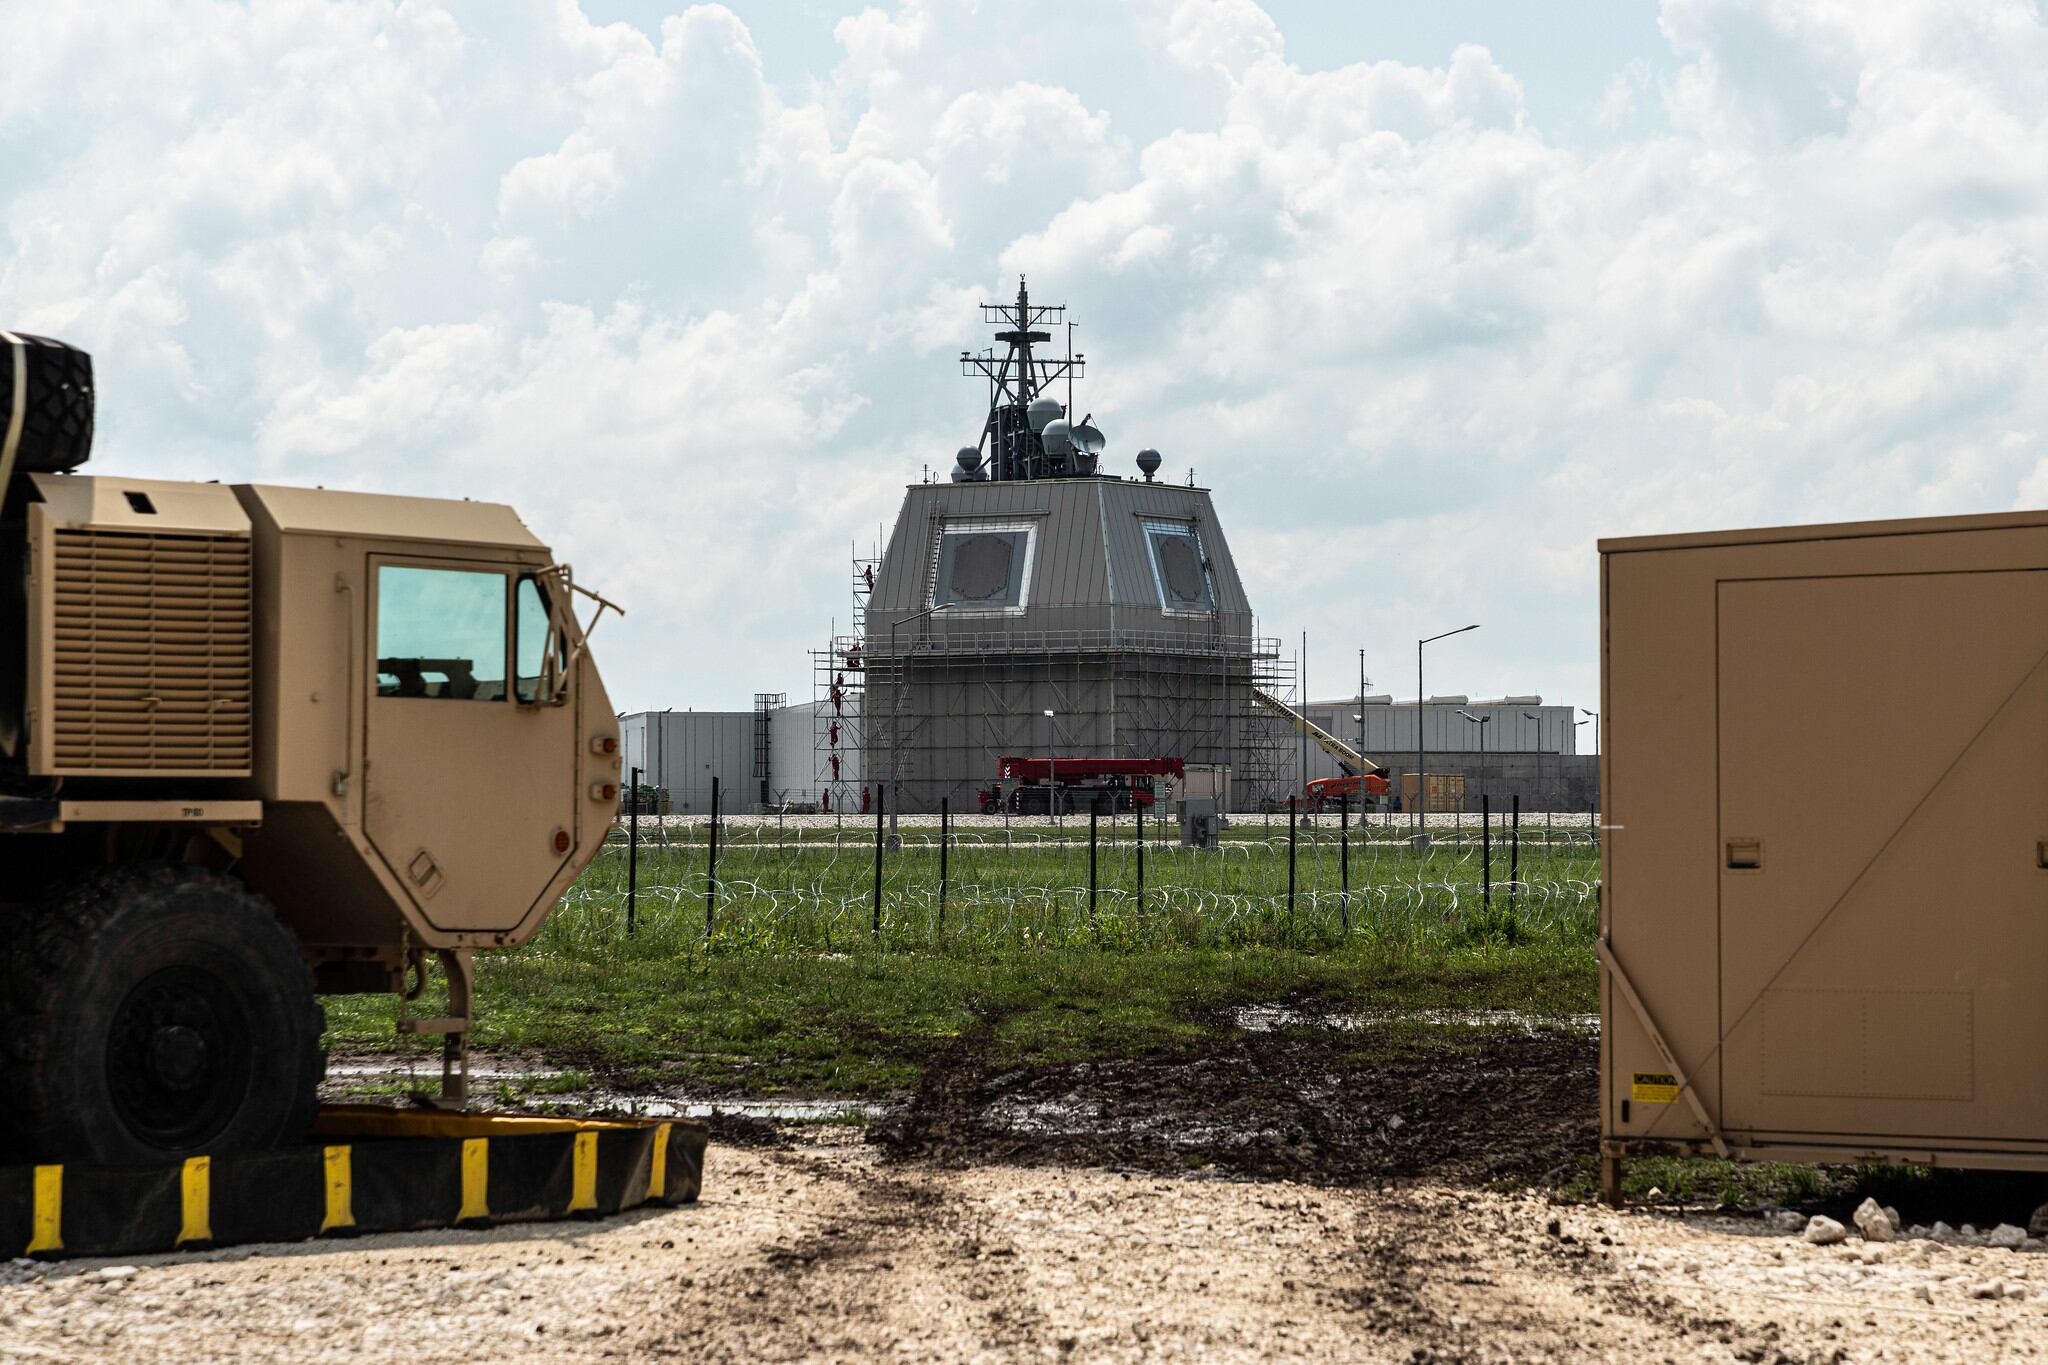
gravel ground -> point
(824, 1250)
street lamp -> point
(1052, 766)
(1485, 786)
(1421, 747)
(1360, 718)
(1596, 727)
(1531, 715)
(896, 718)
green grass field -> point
(793, 990)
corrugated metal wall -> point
(1390, 731)
(681, 751)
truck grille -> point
(150, 644)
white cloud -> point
(699, 327)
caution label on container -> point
(1654, 1087)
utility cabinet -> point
(1824, 909)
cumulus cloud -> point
(699, 325)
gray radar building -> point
(1036, 606)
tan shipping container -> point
(1824, 912)
(1446, 793)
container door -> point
(466, 792)
(1883, 806)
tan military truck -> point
(257, 745)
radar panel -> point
(982, 567)
(1178, 567)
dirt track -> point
(826, 1251)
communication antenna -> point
(1017, 379)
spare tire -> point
(152, 1013)
(46, 402)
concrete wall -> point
(959, 717)
(1553, 782)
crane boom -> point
(1349, 760)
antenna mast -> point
(1018, 379)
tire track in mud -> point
(1449, 1278)
(890, 1264)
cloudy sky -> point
(1432, 300)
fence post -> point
(1093, 815)
(1290, 857)
(711, 876)
(1344, 854)
(881, 800)
(1515, 851)
(1486, 850)
(945, 847)
(633, 854)
(1141, 860)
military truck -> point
(259, 745)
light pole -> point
(896, 718)
(1421, 748)
(1052, 766)
(1360, 718)
(1485, 784)
(1596, 727)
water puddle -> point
(1271, 1018)
(540, 1092)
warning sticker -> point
(1654, 1087)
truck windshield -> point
(441, 633)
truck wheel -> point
(153, 1013)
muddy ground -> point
(1511, 1103)
(1290, 1194)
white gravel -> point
(823, 1252)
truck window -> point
(531, 640)
(440, 633)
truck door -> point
(467, 788)
(1884, 903)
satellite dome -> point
(970, 459)
(960, 475)
(1058, 437)
(1042, 411)
(1148, 463)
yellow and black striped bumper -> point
(368, 1169)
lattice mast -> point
(1013, 439)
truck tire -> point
(153, 1013)
(56, 402)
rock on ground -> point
(1822, 1230)
(1873, 1222)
